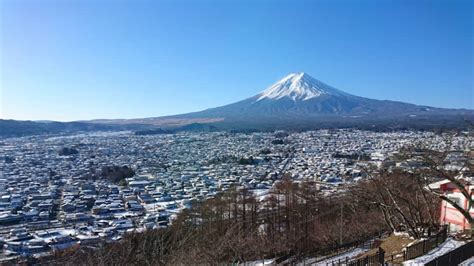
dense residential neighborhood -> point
(61, 191)
(207, 132)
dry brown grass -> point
(392, 245)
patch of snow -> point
(261, 194)
(447, 246)
(469, 262)
(340, 257)
(401, 234)
(261, 262)
(414, 242)
(298, 86)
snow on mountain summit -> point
(300, 101)
(298, 86)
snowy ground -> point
(328, 261)
(261, 194)
(312, 261)
(260, 262)
(444, 248)
(469, 262)
(342, 257)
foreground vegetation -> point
(296, 219)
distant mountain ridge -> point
(16, 128)
(295, 102)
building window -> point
(456, 200)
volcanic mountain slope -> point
(300, 97)
(296, 102)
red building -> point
(448, 214)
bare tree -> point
(402, 201)
(434, 169)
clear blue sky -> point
(71, 60)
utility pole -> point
(340, 228)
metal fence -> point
(330, 251)
(455, 257)
(375, 259)
(292, 258)
(426, 245)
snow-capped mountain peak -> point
(298, 86)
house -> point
(449, 215)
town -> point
(63, 190)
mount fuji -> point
(296, 102)
(301, 101)
(298, 86)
